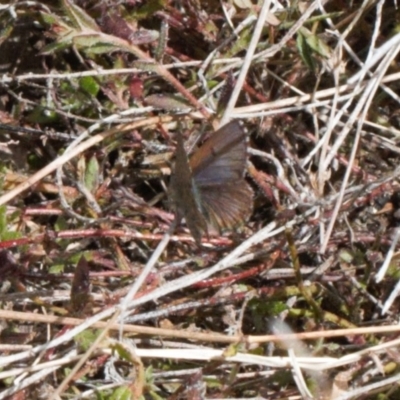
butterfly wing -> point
(183, 195)
(218, 169)
(228, 205)
(222, 158)
(209, 190)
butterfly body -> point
(209, 189)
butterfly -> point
(208, 188)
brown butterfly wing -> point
(209, 190)
(218, 169)
(182, 194)
(222, 158)
(227, 205)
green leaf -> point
(54, 20)
(56, 269)
(86, 338)
(346, 255)
(102, 48)
(310, 45)
(89, 85)
(100, 396)
(10, 235)
(231, 350)
(61, 224)
(99, 43)
(122, 393)
(149, 8)
(123, 352)
(242, 43)
(5, 233)
(92, 174)
(42, 115)
(304, 51)
(78, 17)
(53, 47)
(318, 46)
(6, 33)
(3, 221)
(88, 40)
(88, 172)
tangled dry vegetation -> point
(102, 297)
